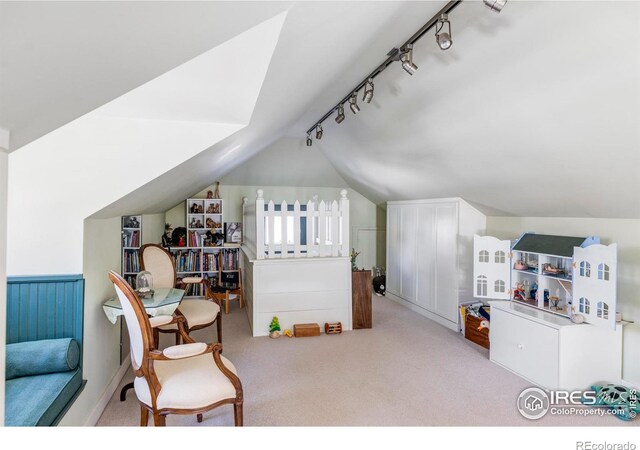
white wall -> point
(101, 361)
(624, 232)
(362, 212)
(90, 163)
(101, 339)
(3, 272)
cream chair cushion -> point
(197, 312)
(188, 383)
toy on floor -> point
(274, 328)
(333, 328)
(288, 333)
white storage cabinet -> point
(429, 255)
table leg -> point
(123, 391)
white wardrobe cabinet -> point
(429, 255)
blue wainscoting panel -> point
(45, 307)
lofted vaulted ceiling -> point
(532, 112)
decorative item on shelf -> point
(577, 318)
(533, 293)
(210, 223)
(233, 232)
(167, 240)
(216, 208)
(144, 284)
(216, 194)
(215, 239)
(274, 328)
(209, 194)
(179, 236)
(549, 269)
(333, 328)
(519, 292)
(520, 265)
(353, 254)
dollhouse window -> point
(481, 285)
(499, 257)
(585, 269)
(484, 256)
(584, 306)
(603, 310)
(499, 286)
(603, 272)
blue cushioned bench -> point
(42, 377)
(44, 348)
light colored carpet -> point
(405, 371)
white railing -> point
(314, 229)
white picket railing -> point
(314, 229)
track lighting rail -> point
(393, 55)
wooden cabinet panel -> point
(361, 299)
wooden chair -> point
(198, 313)
(229, 287)
(192, 378)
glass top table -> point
(164, 302)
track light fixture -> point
(407, 60)
(403, 54)
(309, 141)
(368, 91)
(495, 5)
(443, 38)
(353, 103)
(340, 116)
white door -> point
(594, 284)
(491, 268)
(426, 258)
(446, 298)
(408, 241)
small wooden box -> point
(306, 329)
(471, 332)
(333, 328)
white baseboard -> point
(108, 393)
(428, 314)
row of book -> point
(195, 239)
(187, 261)
(131, 239)
(130, 261)
(229, 260)
(210, 262)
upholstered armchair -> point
(192, 378)
(198, 313)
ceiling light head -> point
(407, 60)
(353, 103)
(319, 131)
(443, 37)
(368, 91)
(309, 141)
(340, 115)
(495, 5)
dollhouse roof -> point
(548, 244)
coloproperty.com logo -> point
(534, 403)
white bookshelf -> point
(205, 243)
(131, 235)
